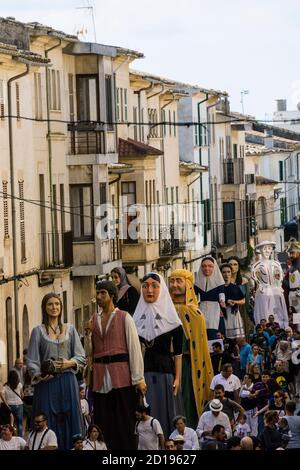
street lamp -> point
(243, 92)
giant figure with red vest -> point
(118, 371)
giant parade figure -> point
(268, 275)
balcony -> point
(233, 171)
(56, 250)
(89, 143)
(250, 178)
(170, 242)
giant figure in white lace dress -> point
(268, 275)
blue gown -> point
(58, 398)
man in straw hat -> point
(197, 371)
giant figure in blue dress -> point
(56, 392)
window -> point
(62, 208)
(54, 89)
(206, 220)
(65, 306)
(22, 222)
(228, 146)
(281, 171)
(142, 126)
(221, 148)
(87, 98)
(125, 106)
(152, 115)
(203, 135)
(109, 102)
(235, 151)
(229, 223)
(71, 97)
(38, 96)
(170, 124)
(82, 212)
(174, 123)
(261, 213)
(18, 101)
(129, 193)
(118, 105)
(163, 126)
(135, 130)
(122, 105)
(5, 209)
(196, 134)
(2, 106)
(283, 211)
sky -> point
(229, 45)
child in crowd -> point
(243, 428)
(84, 409)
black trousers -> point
(114, 412)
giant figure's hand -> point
(176, 387)
(141, 387)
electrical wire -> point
(151, 124)
(95, 218)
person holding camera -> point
(55, 355)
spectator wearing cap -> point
(179, 442)
(230, 382)
(170, 444)
(188, 434)
(210, 418)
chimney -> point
(281, 105)
(268, 138)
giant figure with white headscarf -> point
(161, 334)
(210, 287)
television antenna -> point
(90, 8)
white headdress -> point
(157, 318)
(207, 283)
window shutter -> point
(18, 101)
(71, 96)
(2, 107)
(5, 209)
(22, 221)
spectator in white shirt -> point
(8, 441)
(209, 419)
(13, 396)
(42, 438)
(294, 425)
(95, 439)
(243, 428)
(230, 382)
(148, 431)
(190, 437)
